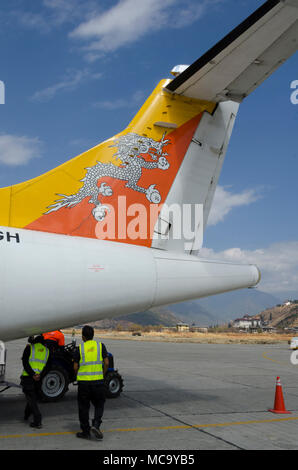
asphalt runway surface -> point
(177, 396)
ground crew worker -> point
(34, 359)
(90, 365)
(54, 339)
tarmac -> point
(177, 396)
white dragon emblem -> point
(130, 147)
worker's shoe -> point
(83, 435)
(97, 433)
(36, 425)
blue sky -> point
(77, 71)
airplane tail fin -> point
(134, 187)
(184, 215)
(116, 190)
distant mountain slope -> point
(193, 312)
(187, 312)
(231, 305)
(283, 316)
(209, 311)
(156, 316)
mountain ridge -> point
(209, 311)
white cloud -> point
(123, 23)
(55, 13)
(278, 264)
(129, 20)
(32, 20)
(110, 105)
(104, 30)
(62, 10)
(224, 201)
(15, 150)
(189, 12)
(70, 82)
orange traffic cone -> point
(279, 405)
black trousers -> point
(90, 392)
(30, 388)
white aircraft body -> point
(57, 270)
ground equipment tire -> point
(113, 384)
(54, 384)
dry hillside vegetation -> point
(189, 337)
(283, 316)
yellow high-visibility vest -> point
(39, 355)
(91, 361)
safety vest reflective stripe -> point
(42, 361)
(88, 373)
(39, 355)
(91, 361)
(83, 361)
(33, 357)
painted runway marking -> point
(273, 360)
(157, 428)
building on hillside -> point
(182, 327)
(269, 329)
(199, 329)
(247, 323)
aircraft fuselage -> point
(50, 281)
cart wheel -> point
(54, 384)
(113, 384)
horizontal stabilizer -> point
(243, 59)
